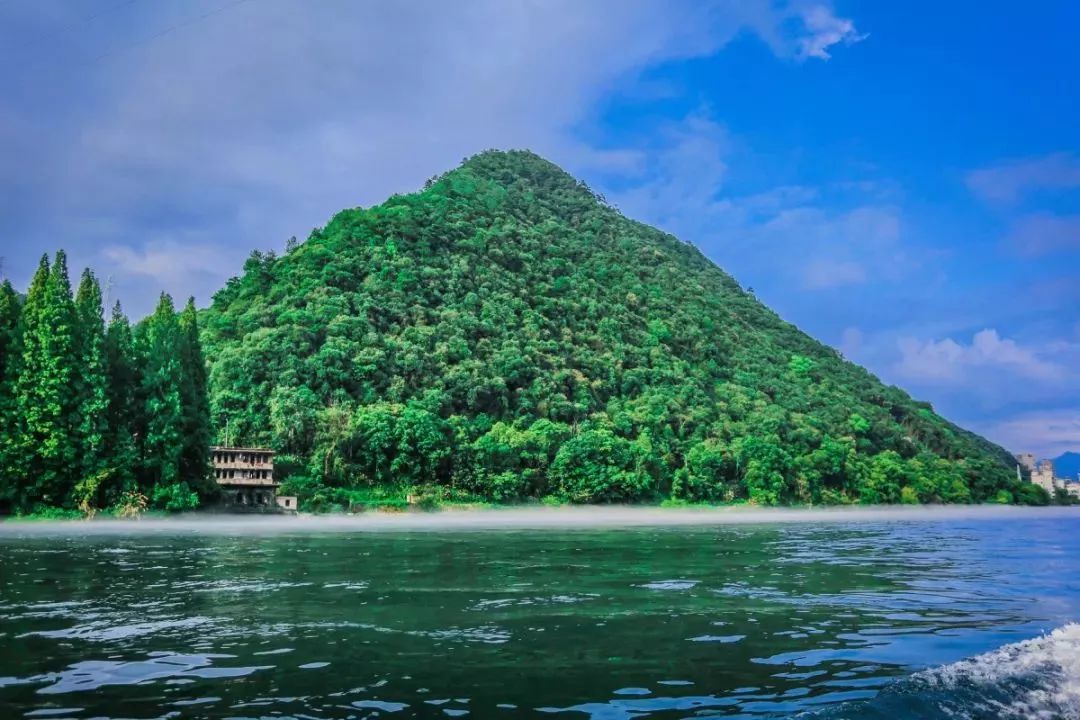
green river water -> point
(818, 619)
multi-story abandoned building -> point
(246, 478)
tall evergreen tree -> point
(10, 309)
(44, 397)
(122, 414)
(195, 457)
(89, 411)
(162, 376)
(20, 366)
(91, 380)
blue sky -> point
(901, 180)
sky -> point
(900, 180)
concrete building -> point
(246, 478)
(1043, 475)
(1027, 461)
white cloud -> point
(851, 342)
(261, 120)
(1047, 433)
(1044, 233)
(806, 30)
(1009, 182)
(680, 177)
(788, 233)
(169, 262)
(824, 29)
(951, 361)
(822, 273)
(829, 249)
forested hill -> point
(506, 333)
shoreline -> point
(518, 518)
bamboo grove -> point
(99, 415)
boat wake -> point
(1036, 679)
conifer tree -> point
(195, 457)
(9, 326)
(10, 310)
(44, 397)
(161, 379)
(20, 366)
(120, 455)
(91, 379)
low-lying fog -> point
(586, 517)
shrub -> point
(175, 497)
(130, 505)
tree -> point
(10, 310)
(44, 389)
(294, 414)
(889, 474)
(162, 376)
(598, 466)
(123, 411)
(91, 377)
(709, 474)
(195, 406)
(91, 415)
(766, 464)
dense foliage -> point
(94, 416)
(506, 333)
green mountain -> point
(505, 333)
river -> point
(918, 614)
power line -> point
(71, 25)
(172, 28)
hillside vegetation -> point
(505, 333)
(95, 415)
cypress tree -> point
(162, 404)
(9, 327)
(195, 457)
(20, 366)
(120, 454)
(44, 397)
(91, 379)
(10, 309)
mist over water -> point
(615, 613)
(527, 518)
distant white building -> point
(1042, 474)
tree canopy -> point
(95, 416)
(507, 333)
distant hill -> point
(1067, 465)
(506, 333)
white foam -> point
(1042, 676)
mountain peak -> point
(520, 169)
